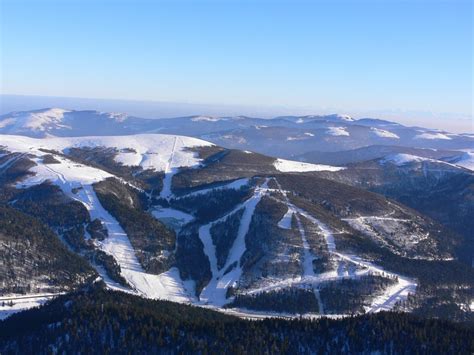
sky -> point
(407, 59)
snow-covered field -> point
(11, 304)
(159, 152)
(287, 166)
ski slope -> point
(167, 285)
(215, 292)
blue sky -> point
(349, 56)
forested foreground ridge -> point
(97, 320)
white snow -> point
(7, 122)
(284, 165)
(167, 285)
(163, 213)
(302, 137)
(345, 117)
(38, 120)
(337, 131)
(171, 217)
(466, 160)
(205, 118)
(285, 221)
(158, 152)
(150, 151)
(116, 116)
(14, 303)
(432, 135)
(383, 133)
(402, 159)
(67, 174)
(296, 138)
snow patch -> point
(11, 304)
(337, 131)
(171, 217)
(297, 166)
(432, 135)
(205, 118)
(285, 221)
(345, 117)
(402, 159)
(383, 133)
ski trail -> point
(384, 301)
(167, 285)
(6, 165)
(215, 291)
(317, 294)
(169, 172)
(308, 257)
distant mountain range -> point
(286, 137)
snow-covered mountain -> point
(282, 137)
(182, 219)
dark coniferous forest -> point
(102, 321)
